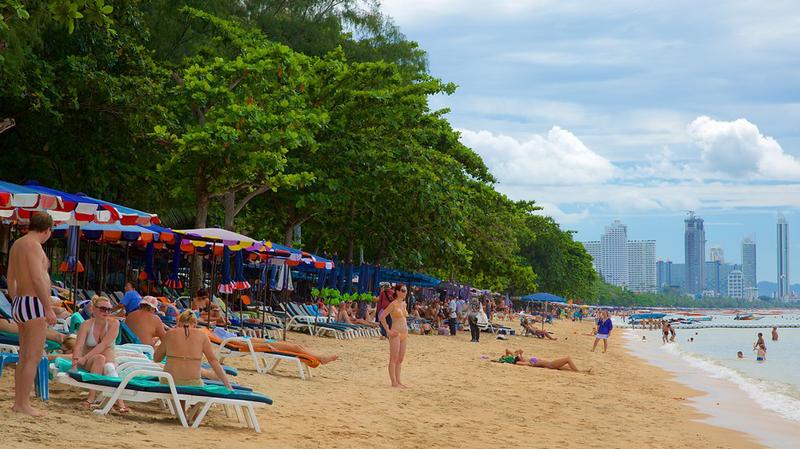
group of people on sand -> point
(93, 348)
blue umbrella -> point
(543, 297)
(239, 280)
(149, 262)
(225, 284)
(174, 280)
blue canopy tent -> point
(543, 297)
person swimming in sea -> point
(774, 334)
(740, 355)
(760, 342)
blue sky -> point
(630, 110)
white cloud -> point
(556, 158)
(738, 148)
(561, 217)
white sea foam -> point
(769, 395)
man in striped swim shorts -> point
(29, 285)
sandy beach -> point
(456, 399)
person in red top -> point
(384, 299)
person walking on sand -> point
(397, 332)
(29, 286)
(472, 317)
(774, 334)
(604, 327)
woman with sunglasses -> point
(397, 332)
(94, 348)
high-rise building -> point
(736, 284)
(749, 262)
(628, 264)
(642, 265)
(694, 252)
(593, 249)
(614, 254)
(783, 258)
(713, 281)
(663, 273)
(716, 254)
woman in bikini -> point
(184, 347)
(564, 363)
(94, 346)
(397, 332)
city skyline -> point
(597, 119)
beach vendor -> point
(604, 327)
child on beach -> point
(761, 353)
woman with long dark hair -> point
(397, 332)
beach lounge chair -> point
(300, 320)
(142, 385)
(264, 359)
(485, 326)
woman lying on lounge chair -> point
(262, 344)
(528, 326)
(516, 358)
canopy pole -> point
(212, 277)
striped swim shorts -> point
(26, 308)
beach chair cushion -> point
(151, 386)
(13, 339)
(64, 365)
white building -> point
(736, 284)
(614, 254)
(593, 248)
(642, 265)
(628, 264)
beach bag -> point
(444, 330)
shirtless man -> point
(27, 282)
(144, 322)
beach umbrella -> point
(240, 283)
(174, 280)
(226, 285)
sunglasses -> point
(103, 309)
(403, 290)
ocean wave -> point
(769, 395)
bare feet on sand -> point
(26, 410)
(328, 359)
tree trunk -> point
(200, 221)
(228, 201)
(288, 234)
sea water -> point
(710, 362)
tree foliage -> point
(268, 117)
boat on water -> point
(747, 317)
